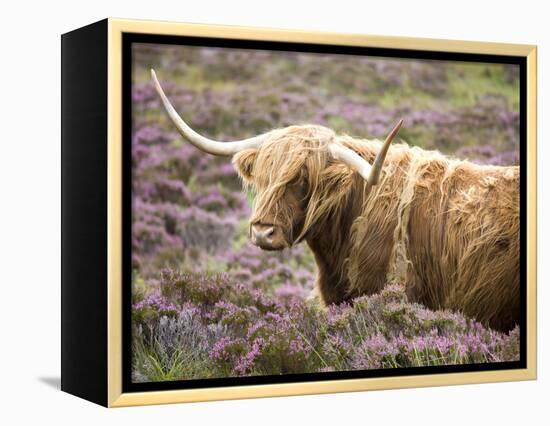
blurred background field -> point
(209, 304)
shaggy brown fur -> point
(448, 229)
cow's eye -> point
(299, 186)
(297, 182)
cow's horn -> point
(351, 158)
(370, 173)
(381, 156)
(204, 144)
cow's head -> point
(290, 170)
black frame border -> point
(129, 38)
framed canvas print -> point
(256, 212)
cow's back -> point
(462, 240)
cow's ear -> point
(244, 163)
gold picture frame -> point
(115, 29)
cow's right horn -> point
(204, 144)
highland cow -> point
(445, 228)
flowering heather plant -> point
(206, 303)
(232, 329)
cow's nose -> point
(262, 235)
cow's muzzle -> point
(267, 236)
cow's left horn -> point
(370, 173)
(204, 144)
(381, 156)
